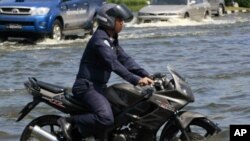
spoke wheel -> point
(47, 123)
(220, 11)
(56, 33)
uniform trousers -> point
(100, 116)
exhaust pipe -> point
(42, 133)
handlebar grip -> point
(147, 92)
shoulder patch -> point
(106, 42)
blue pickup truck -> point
(53, 18)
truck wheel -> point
(206, 15)
(186, 16)
(220, 11)
(56, 33)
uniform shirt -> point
(104, 55)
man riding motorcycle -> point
(102, 56)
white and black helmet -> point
(109, 12)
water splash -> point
(177, 27)
(69, 41)
(228, 19)
(17, 45)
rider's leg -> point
(100, 117)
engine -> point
(126, 133)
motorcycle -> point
(147, 113)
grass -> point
(236, 8)
(134, 5)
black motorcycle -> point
(142, 113)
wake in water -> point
(226, 19)
(180, 27)
(17, 44)
(170, 23)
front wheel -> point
(197, 130)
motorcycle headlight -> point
(40, 11)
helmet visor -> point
(121, 11)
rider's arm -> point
(109, 56)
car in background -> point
(53, 18)
(217, 7)
(163, 10)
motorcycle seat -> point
(51, 87)
(73, 100)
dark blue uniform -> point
(102, 56)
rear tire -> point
(220, 11)
(198, 129)
(56, 33)
(47, 122)
(2, 39)
(206, 15)
(186, 16)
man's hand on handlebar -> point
(145, 81)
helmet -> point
(109, 12)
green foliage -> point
(242, 3)
(227, 2)
(134, 5)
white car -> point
(163, 10)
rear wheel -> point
(2, 39)
(206, 15)
(186, 16)
(47, 123)
(220, 11)
(56, 32)
(199, 129)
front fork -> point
(182, 128)
(182, 120)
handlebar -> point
(147, 91)
(161, 82)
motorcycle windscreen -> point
(181, 85)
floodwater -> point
(213, 55)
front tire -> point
(197, 130)
(47, 122)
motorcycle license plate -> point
(14, 26)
